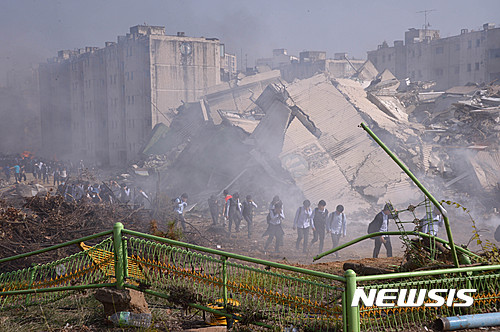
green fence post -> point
(118, 248)
(224, 280)
(344, 312)
(352, 312)
(30, 283)
(125, 259)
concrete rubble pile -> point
(299, 140)
(462, 138)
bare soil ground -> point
(42, 223)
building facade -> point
(471, 57)
(100, 104)
(314, 62)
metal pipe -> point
(57, 246)
(468, 321)
(55, 289)
(118, 248)
(367, 236)
(353, 324)
(424, 190)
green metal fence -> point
(484, 279)
(238, 287)
(41, 284)
(265, 292)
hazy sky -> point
(33, 30)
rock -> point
(116, 300)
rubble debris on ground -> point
(47, 220)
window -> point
(469, 44)
(132, 100)
(478, 42)
(383, 58)
(469, 67)
(389, 57)
(494, 53)
(476, 66)
(439, 50)
(131, 75)
(128, 100)
(457, 47)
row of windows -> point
(440, 71)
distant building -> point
(228, 65)
(472, 56)
(100, 104)
(20, 109)
(314, 62)
(279, 59)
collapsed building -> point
(462, 138)
(299, 140)
(264, 136)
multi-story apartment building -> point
(100, 104)
(472, 56)
(228, 65)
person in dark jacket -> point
(320, 216)
(381, 222)
(213, 205)
(234, 212)
(248, 206)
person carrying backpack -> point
(381, 224)
(234, 212)
(274, 228)
(320, 216)
(248, 206)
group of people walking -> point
(42, 171)
(321, 222)
(234, 211)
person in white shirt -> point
(430, 225)
(302, 222)
(337, 226)
(180, 205)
